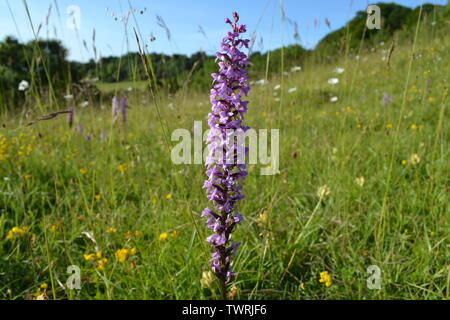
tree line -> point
(45, 61)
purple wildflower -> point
(80, 129)
(387, 98)
(123, 108)
(115, 108)
(224, 183)
(88, 138)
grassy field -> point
(363, 182)
(121, 86)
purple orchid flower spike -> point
(123, 108)
(224, 183)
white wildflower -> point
(262, 219)
(262, 82)
(207, 279)
(23, 85)
(323, 191)
(360, 181)
(415, 159)
(333, 81)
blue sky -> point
(183, 18)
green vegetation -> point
(172, 73)
(364, 180)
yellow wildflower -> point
(111, 230)
(413, 127)
(122, 255)
(98, 196)
(404, 162)
(16, 231)
(133, 251)
(101, 264)
(163, 236)
(131, 233)
(20, 230)
(122, 168)
(349, 109)
(325, 278)
(83, 171)
(389, 126)
(88, 256)
(41, 295)
(168, 196)
(174, 233)
(54, 227)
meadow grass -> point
(113, 87)
(386, 168)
